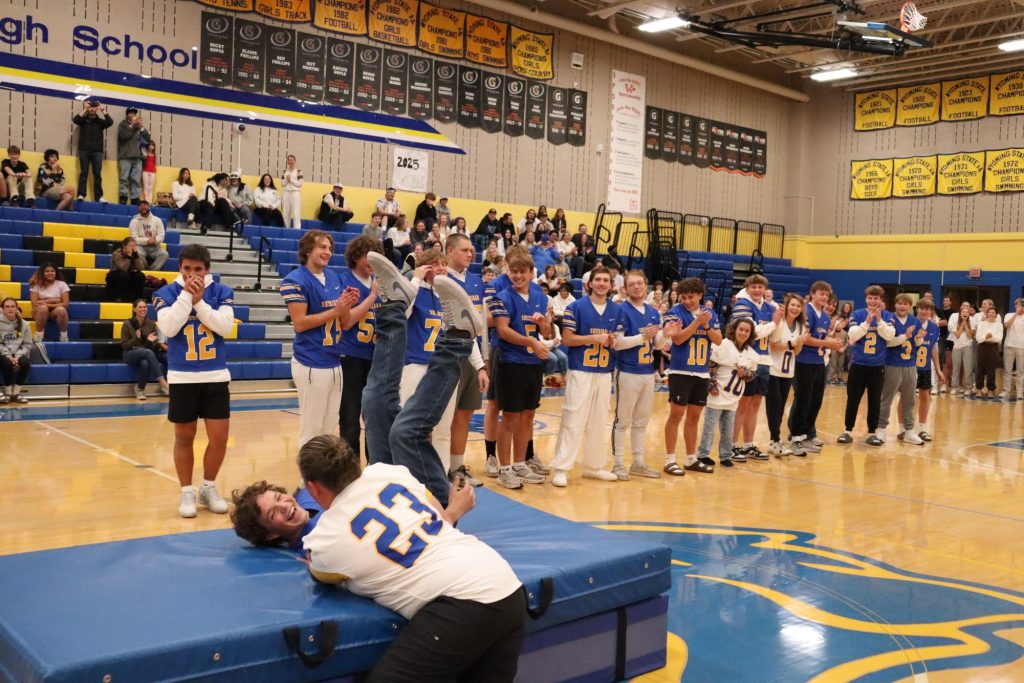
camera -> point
(239, 127)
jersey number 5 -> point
(390, 529)
(200, 340)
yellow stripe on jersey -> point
(327, 577)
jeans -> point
(95, 161)
(557, 362)
(149, 365)
(724, 420)
(355, 373)
(155, 254)
(130, 184)
(402, 436)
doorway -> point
(1000, 295)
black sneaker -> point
(739, 454)
(754, 452)
(726, 463)
(463, 473)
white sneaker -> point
(79, 198)
(526, 475)
(935, 392)
(491, 467)
(1020, 397)
(538, 466)
(103, 200)
(508, 478)
(620, 473)
(779, 449)
(642, 470)
(63, 336)
(560, 478)
(456, 307)
(140, 394)
(187, 506)
(601, 475)
(209, 498)
(392, 284)
(880, 433)
(910, 437)
(1005, 395)
(165, 389)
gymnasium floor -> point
(900, 563)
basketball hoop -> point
(910, 19)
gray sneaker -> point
(456, 307)
(538, 466)
(812, 447)
(817, 442)
(463, 472)
(491, 468)
(620, 472)
(642, 470)
(526, 475)
(799, 448)
(392, 284)
(209, 497)
(508, 479)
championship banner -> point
(1004, 170)
(652, 133)
(533, 53)
(962, 173)
(294, 11)
(918, 105)
(872, 179)
(230, 5)
(577, 118)
(394, 91)
(514, 120)
(536, 110)
(558, 115)
(1007, 94)
(215, 56)
(685, 139)
(442, 31)
(340, 70)
(493, 111)
(340, 16)
(965, 99)
(249, 47)
(280, 74)
(421, 87)
(669, 136)
(393, 22)
(913, 177)
(309, 84)
(369, 70)
(469, 97)
(874, 110)
(486, 41)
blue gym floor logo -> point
(771, 605)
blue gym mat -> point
(206, 606)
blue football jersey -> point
(358, 340)
(817, 325)
(638, 360)
(582, 318)
(195, 348)
(746, 308)
(498, 284)
(923, 350)
(508, 303)
(424, 327)
(317, 347)
(902, 356)
(869, 350)
(692, 356)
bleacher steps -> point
(250, 298)
(240, 254)
(213, 240)
(279, 331)
(268, 314)
(248, 282)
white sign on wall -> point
(410, 170)
(626, 146)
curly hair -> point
(359, 247)
(246, 515)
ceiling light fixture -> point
(664, 24)
(1012, 45)
(835, 75)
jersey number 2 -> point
(390, 530)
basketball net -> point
(910, 19)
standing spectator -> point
(240, 197)
(561, 301)
(942, 316)
(268, 202)
(332, 208)
(91, 129)
(389, 208)
(183, 192)
(214, 204)
(1013, 351)
(375, 231)
(15, 346)
(358, 335)
(51, 181)
(18, 178)
(989, 335)
(149, 172)
(443, 209)
(125, 279)
(291, 184)
(130, 136)
(50, 297)
(961, 332)
(148, 231)
(426, 211)
(487, 228)
(141, 346)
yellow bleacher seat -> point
(168, 275)
(90, 276)
(75, 235)
(68, 244)
(78, 260)
(26, 309)
(10, 289)
(115, 311)
(5, 272)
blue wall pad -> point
(206, 605)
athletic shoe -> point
(925, 436)
(140, 394)
(1020, 397)
(707, 461)
(844, 438)
(102, 200)
(491, 468)
(538, 466)
(456, 307)
(935, 392)
(799, 448)
(600, 475)
(739, 454)
(754, 452)
(955, 392)
(463, 472)
(508, 479)
(620, 472)
(726, 463)
(187, 506)
(4, 399)
(1004, 395)
(642, 470)
(191, 220)
(17, 396)
(526, 475)
(873, 440)
(165, 389)
(942, 389)
(79, 198)
(392, 284)
(812, 447)
(209, 497)
(560, 479)
(779, 449)
(913, 439)
(817, 442)
(64, 336)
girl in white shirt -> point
(785, 344)
(291, 183)
(184, 195)
(989, 335)
(268, 202)
(961, 333)
(1013, 351)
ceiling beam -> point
(927, 75)
(610, 10)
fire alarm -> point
(576, 60)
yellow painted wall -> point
(991, 251)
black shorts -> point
(493, 357)
(687, 390)
(924, 380)
(758, 385)
(519, 386)
(207, 400)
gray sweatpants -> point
(904, 382)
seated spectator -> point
(486, 229)
(409, 263)
(91, 133)
(586, 252)
(542, 212)
(444, 224)
(491, 251)
(489, 273)
(148, 231)
(333, 211)
(561, 301)
(566, 247)
(506, 241)
(436, 236)
(459, 227)
(389, 208)
(562, 268)
(529, 238)
(149, 172)
(375, 231)
(141, 345)
(268, 202)
(545, 253)
(3, 194)
(125, 279)
(655, 296)
(527, 221)
(18, 178)
(543, 227)
(419, 234)
(401, 244)
(15, 346)
(50, 297)
(548, 279)
(558, 221)
(443, 210)
(426, 211)
(184, 195)
(506, 223)
(214, 206)
(50, 179)
(240, 197)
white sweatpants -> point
(1010, 357)
(319, 399)
(588, 396)
(291, 208)
(441, 437)
(634, 401)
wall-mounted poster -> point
(577, 133)
(469, 96)
(369, 63)
(247, 65)
(421, 87)
(216, 54)
(442, 31)
(652, 133)
(514, 121)
(393, 22)
(395, 82)
(309, 84)
(536, 109)
(340, 16)
(280, 75)
(340, 67)
(493, 109)
(626, 142)
(558, 115)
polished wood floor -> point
(951, 508)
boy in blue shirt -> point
(901, 372)
(926, 352)
(751, 304)
(870, 330)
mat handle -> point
(547, 594)
(328, 639)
